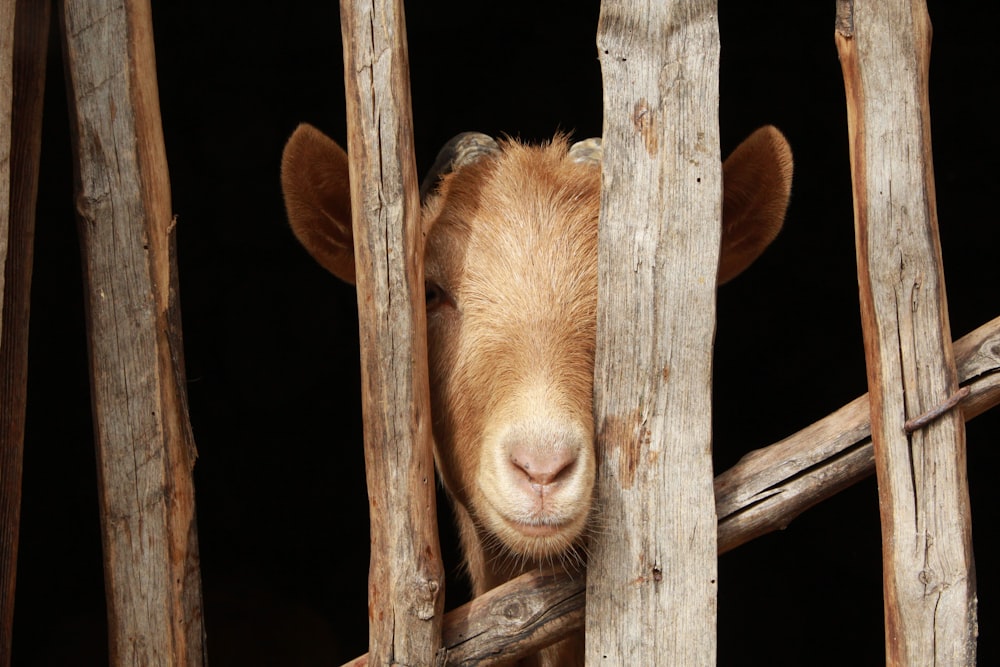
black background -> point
(271, 340)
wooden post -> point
(929, 585)
(651, 583)
(11, 452)
(21, 126)
(145, 450)
(405, 579)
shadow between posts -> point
(764, 492)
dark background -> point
(271, 340)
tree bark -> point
(929, 580)
(23, 127)
(405, 579)
(145, 449)
(651, 584)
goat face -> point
(511, 269)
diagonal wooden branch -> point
(763, 492)
(771, 486)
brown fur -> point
(511, 268)
(316, 185)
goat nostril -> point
(545, 468)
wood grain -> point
(31, 33)
(405, 579)
(145, 449)
(764, 492)
(928, 572)
(651, 584)
(514, 622)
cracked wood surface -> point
(928, 573)
(405, 578)
(145, 450)
(652, 577)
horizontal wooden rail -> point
(764, 492)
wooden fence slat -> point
(764, 492)
(929, 585)
(145, 450)
(405, 580)
(651, 585)
(24, 129)
(10, 450)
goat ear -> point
(316, 185)
(757, 181)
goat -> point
(511, 287)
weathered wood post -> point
(11, 453)
(145, 451)
(651, 582)
(21, 130)
(405, 579)
(929, 585)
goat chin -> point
(534, 541)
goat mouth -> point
(532, 530)
(538, 528)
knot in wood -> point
(426, 593)
(514, 610)
(844, 22)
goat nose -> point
(543, 467)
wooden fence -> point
(145, 450)
(909, 428)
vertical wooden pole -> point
(651, 583)
(929, 585)
(405, 581)
(6, 105)
(23, 129)
(145, 450)
(11, 452)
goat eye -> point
(435, 296)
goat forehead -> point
(529, 267)
(527, 215)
